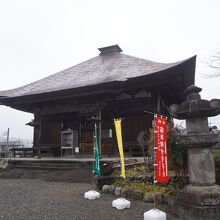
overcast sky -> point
(41, 37)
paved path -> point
(36, 199)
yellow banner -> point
(120, 146)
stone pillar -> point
(201, 164)
(201, 167)
(200, 199)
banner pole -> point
(153, 113)
(154, 145)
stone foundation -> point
(184, 211)
(201, 195)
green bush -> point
(145, 188)
(217, 164)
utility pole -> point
(7, 139)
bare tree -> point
(213, 62)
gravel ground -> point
(36, 199)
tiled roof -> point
(104, 68)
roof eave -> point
(186, 67)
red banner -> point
(161, 150)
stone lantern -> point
(201, 197)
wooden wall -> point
(50, 133)
(133, 125)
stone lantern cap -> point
(194, 106)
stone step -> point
(48, 175)
(50, 170)
(48, 162)
(73, 165)
(51, 164)
(53, 167)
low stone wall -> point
(136, 195)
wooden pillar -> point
(37, 132)
(79, 133)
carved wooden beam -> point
(49, 110)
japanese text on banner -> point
(161, 150)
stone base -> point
(184, 211)
(196, 202)
(201, 195)
(100, 181)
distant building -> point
(4, 146)
(215, 130)
(110, 85)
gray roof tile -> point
(104, 68)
